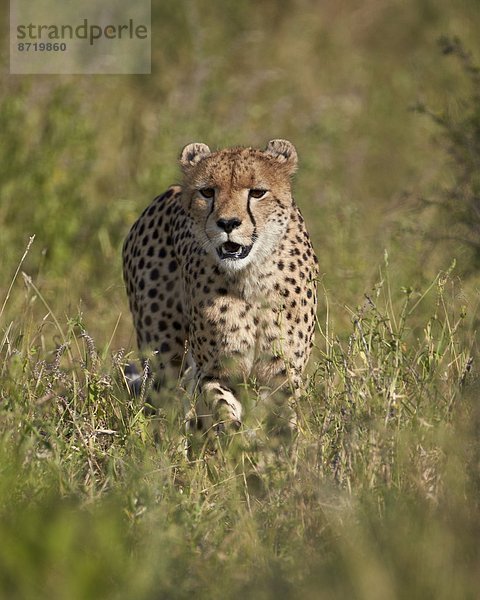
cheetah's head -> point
(239, 199)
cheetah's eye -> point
(207, 192)
(255, 193)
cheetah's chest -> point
(228, 328)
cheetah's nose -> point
(228, 225)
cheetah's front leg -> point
(215, 409)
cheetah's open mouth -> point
(233, 251)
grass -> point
(379, 495)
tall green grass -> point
(378, 496)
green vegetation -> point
(379, 496)
(457, 206)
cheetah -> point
(221, 280)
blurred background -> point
(361, 89)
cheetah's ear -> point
(284, 151)
(192, 154)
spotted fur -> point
(221, 274)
